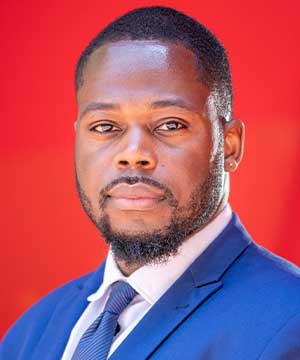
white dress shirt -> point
(150, 282)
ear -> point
(234, 136)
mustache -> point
(131, 180)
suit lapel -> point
(201, 281)
(164, 317)
(65, 316)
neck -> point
(126, 269)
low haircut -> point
(170, 25)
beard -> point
(159, 245)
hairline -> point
(82, 65)
(201, 71)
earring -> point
(231, 165)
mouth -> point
(135, 197)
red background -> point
(46, 238)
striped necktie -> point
(96, 341)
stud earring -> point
(231, 165)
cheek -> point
(92, 167)
(186, 168)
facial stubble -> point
(159, 245)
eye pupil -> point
(105, 127)
(172, 125)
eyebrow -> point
(171, 103)
(160, 104)
(93, 106)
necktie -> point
(96, 341)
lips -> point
(135, 197)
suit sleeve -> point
(285, 345)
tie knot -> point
(121, 295)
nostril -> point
(134, 162)
(144, 162)
(123, 162)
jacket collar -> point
(202, 280)
(220, 255)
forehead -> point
(139, 68)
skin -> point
(156, 119)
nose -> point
(136, 152)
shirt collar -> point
(152, 281)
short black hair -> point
(170, 25)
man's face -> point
(149, 148)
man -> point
(155, 144)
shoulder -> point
(266, 266)
(284, 344)
(255, 271)
(32, 323)
(50, 301)
(267, 277)
(265, 289)
(256, 264)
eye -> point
(171, 125)
(104, 128)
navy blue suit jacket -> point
(237, 301)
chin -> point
(133, 230)
(136, 223)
